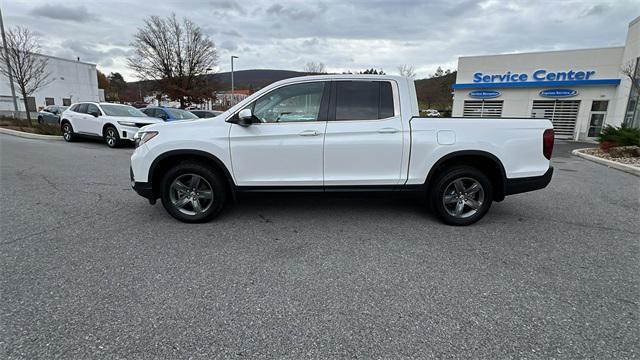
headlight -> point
(127, 123)
(142, 137)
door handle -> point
(388, 131)
(309, 133)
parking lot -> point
(90, 270)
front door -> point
(364, 136)
(284, 146)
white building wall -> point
(631, 52)
(518, 101)
(69, 79)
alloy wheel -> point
(191, 194)
(66, 132)
(463, 197)
(111, 137)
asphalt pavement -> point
(90, 270)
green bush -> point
(619, 136)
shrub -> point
(624, 135)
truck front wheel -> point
(192, 192)
(461, 195)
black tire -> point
(111, 137)
(170, 194)
(461, 187)
(67, 132)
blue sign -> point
(484, 94)
(558, 93)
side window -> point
(81, 108)
(292, 103)
(91, 108)
(363, 100)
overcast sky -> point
(344, 35)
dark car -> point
(168, 114)
(51, 114)
(206, 113)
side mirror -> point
(95, 113)
(245, 117)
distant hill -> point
(436, 93)
(253, 79)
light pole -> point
(232, 57)
(208, 90)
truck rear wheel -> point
(192, 192)
(461, 195)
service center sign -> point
(558, 93)
(538, 75)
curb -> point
(27, 135)
(612, 164)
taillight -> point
(547, 143)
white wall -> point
(631, 52)
(70, 79)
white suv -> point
(112, 122)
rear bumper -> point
(521, 185)
(143, 189)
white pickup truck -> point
(340, 133)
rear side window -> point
(81, 108)
(363, 100)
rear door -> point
(80, 121)
(364, 135)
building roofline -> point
(543, 52)
(63, 59)
(634, 21)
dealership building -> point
(580, 91)
(69, 81)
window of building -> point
(66, 102)
(364, 100)
(562, 113)
(31, 104)
(482, 108)
(49, 101)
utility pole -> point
(6, 52)
(232, 84)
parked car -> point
(205, 113)
(168, 114)
(349, 133)
(114, 123)
(51, 114)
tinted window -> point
(363, 100)
(148, 112)
(179, 114)
(91, 108)
(298, 102)
(81, 108)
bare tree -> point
(407, 71)
(176, 55)
(315, 68)
(629, 70)
(28, 68)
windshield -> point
(180, 114)
(121, 110)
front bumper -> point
(143, 189)
(521, 185)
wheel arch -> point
(482, 160)
(108, 124)
(167, 159)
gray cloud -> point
(344, 35)
(60, 12)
